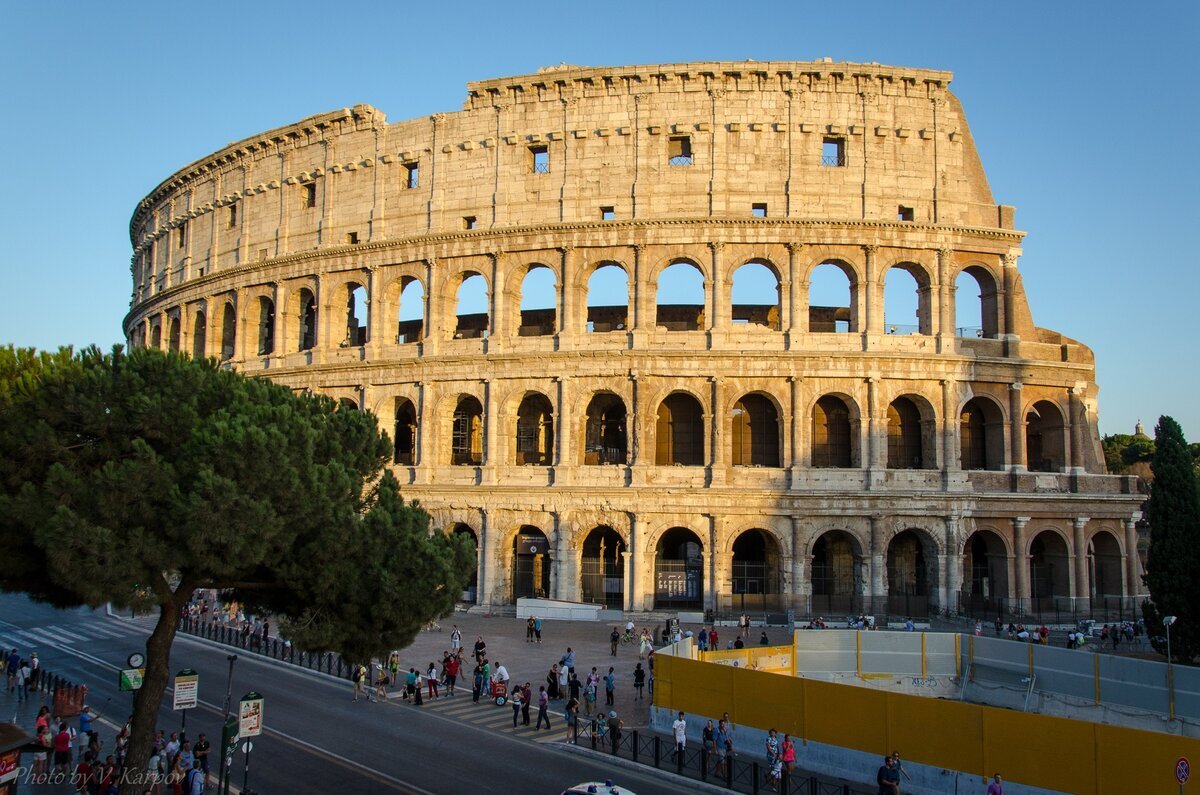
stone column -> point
(950, 462)
(423, 452)
(795, 322)
(499, 328)
(564, 461)
(800, 583)
(630, 599)
(1082, 587)
(1133, 564)
(431, 326)
(1078, 428)
(873, 294)
(719, 455)
(710, 586)
(637, 461)
(486, 553)
(635, 587)
(491, 431)
(570, 318)
(1021, 561)
(212, 346)
(641, 299)
(375, 313)
(1016, 417)
(953, 571)
(878, 564)
(876, 427)
(945, 302)
(719, 303)
(1010, 286)
(800, 455)
(281, 299)
(563, 585)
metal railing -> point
(680, 160)
(734, 772)
(833, 160)
(541, 168)
(324, 662)
(1051, 609)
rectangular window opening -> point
(412, 175)
(232, 215)
(310, 195)
(833, 151)
(758, 210)
(608, 213)
(469, 222)
(183, 234)
(904, 213)
(352, 238)
(679, 150)
(541, 159)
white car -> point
(597, 788)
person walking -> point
(451, 669)
(724, 744)
(431, 678)
(543, 709)
(679, 732)
(568, 659)
(22, 679)
(552, 683)
(610, 686)
(537, 629)
(477, 683)
(515, 700)
(529, 630)
(896, 763)
(571, 716)
(614, 639)
(455, 638)
(526, 701)
(639, 681)
(360, 679)
(772, 746)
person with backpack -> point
(194, 783)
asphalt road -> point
(316, 739)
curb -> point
(620, 761)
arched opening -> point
(985, 575)
(679, 432)
(173, 333)
(350, 404)
(199, 335)
(905, 442)
(538, 299)
(909, 573)
(831, 301)
(1045, 438)
(531, 564)
(228, 331)
(679, 571)
(466, 436)
(906, 307)
(679, 299)
(603, 568)
(410, 314)
(1104, 570)
(156, 336)
(535, 431)
(755, 296)
(608, 299)
(836, 574)
(981, 435)
(405, 433)
(356, 315)
(832, 440)
(266, 326)
(471, 308)
(1049, 571)
(308, 320)
(755, 432)
(605, 439)
(975, 303)
(757, 572)
(471, 593)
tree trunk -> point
(149, 698)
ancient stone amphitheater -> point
(584, 307)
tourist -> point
(537, 628)
(571, 716)
(787, 753)
(996, 787)
(543, 709)
(614, 639)
(639, 680)
(888, 778)
(610, 686)
(772, 745)
(679, 731)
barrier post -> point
(635, 745)
(657, 748)
(1096, 657)
(922, 655)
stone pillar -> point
(1082, 588)
(800, 584)
(878, 564)
(1133, 564)
(641, 299)
(570, 318)
(630, 597)
(212, 345)
(1078, 422)
(432, 329)
(800, 456)
(564, 460)
(719, 455)
(710, 586)
(1021, 561)
(499, 328)
(486, 557)
(876, 427)
(635, 587)
(796, 323)
(1016, 417)
(953, 564)
(950, 462)
(491, 431)
(1010, 287)
(375, 313)
(564, 584)
(945, 302)
(637, 461)
(873, 294)
(719, 302)
(281, 299)
(423, 453)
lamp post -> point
(1167, 622)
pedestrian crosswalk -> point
(76, 634)
(486, 714)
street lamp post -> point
(1167, 622)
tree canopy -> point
(1173, 512)
(137, 477)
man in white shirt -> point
(501, 674)
(679, 728)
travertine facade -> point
(652, 453)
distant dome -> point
(1139, 429)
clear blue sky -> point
(1085, 115)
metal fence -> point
(732, 771)
(325, 662)
(1051, 609)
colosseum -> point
(584, 308)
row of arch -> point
(835, 289)
(755, 428)
(835, 567)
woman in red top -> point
(787, 753)
(62, 749)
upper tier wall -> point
(756, 136)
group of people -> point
(23, 673)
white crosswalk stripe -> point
(61, 635)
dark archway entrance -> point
(679, 571)
(531, 564)
(985, 575)
(605, 438)
(908, 575)
(1049, 572)
(603, 568)
(471, 593)
(836, 575)
(757, 573)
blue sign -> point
(1183, 770)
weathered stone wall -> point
(230, 251)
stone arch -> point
(920, 319)
(404, 302)
(471, 593)
(757, 311)
(600, 279)
(173, 332)
(678, 569)
(471, 292)
(534, 432)
(602, 567)
(466, 431)
(405, 432)
(199, 334)
(836, 561)
(265, 325)
(682, 312)
(985, 323)
(531, 563)
(835, 436)
(679, 432)
(824, 318)
(156, 335)
(985, 585)
(757, 556)
(981, 434)
(1105, 564)
(912, 433)
(300, 319)
(228, 331)
(756, 433)
(1047, 440)
(606, 430)
(533, 315)
(1049, 568)
(911, 572)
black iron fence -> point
(325, 662)
(1051, 609)
(733, 771)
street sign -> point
(250, 715)
(187, 689)
(1183, 770)
(247, 747)
(131, 678)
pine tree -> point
(1173, 512)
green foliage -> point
(1173, 512)
(1122, 450)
